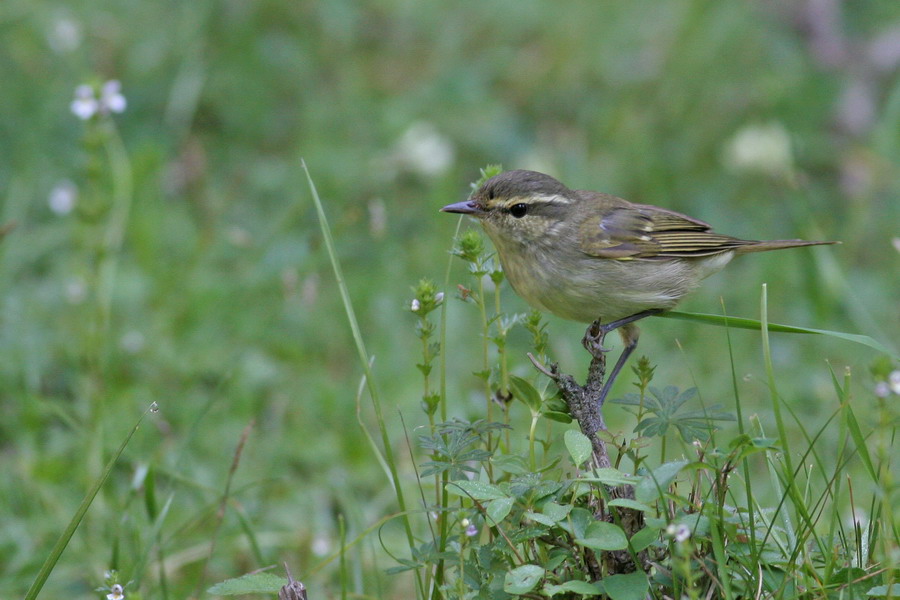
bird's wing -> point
(641, 231)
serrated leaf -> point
(522, 580)
(257, 583)
(524, 391)
(601, 535)
(631, 586)
(650, 486)
(478, 490)
(498, 509)
(578, 445)
(510, 463)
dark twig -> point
(585, 403)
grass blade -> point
(363, 357)
(744, 323)
(66, 535)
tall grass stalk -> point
(69, 531)
(364, 361)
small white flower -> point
(894, 381)
(111, 98)
(85, 105)
(471, 530)
(465, 522)
(62, 197)
(415, 305)
(116, 593)
(439, 297)
(680, 532)
(882, 389)
(761, 148)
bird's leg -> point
(596, 332)
(593, 343)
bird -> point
(595, 258)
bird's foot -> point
(593, 339)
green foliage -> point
(191, 271)
(665, 405)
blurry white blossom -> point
(415, 305)
(309, 290)
(76, 291)
(882, 389)
(86, 104)
(111, 98)
(896, 243)
(764, 148)
(116, 593)
(423, 150)
(377, 218)
(894, 382)
(62, 197)
(64, 35)
(680, 532)
(321, 546)
(132, 341)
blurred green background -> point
(171, 253)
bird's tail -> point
(777, 245)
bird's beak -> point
(466, 207)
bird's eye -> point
(518, 210)
(490, 194)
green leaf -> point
(632, 586)
(575, 586)
(578, 445)
(651, 485)
(522, 580)
(510, 463)
(555, 511)
(539, 518)
(601, 535)
(524, 391)
(610, 476)
(882, 591)
(643, 538)
(629, 503)
(257, 583)
(498, 509)
(742, 323)
(475, 489)
(559, 417)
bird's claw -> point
(593, 339)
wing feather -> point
(633, 231)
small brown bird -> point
(596, 258)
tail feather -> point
(763, 246)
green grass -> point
(193, 272)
